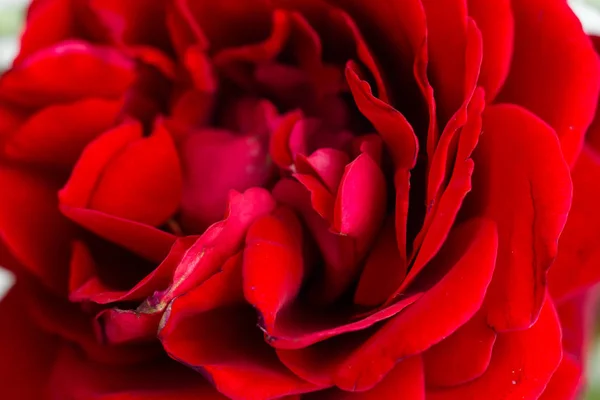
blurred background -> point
(12, 14)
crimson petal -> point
(68, 71)
(523, 183)
(522, 364)
(471, 251)
(554, 56)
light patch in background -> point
(7, 279)
(588, 12)
(11, 17)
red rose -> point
(316, 199)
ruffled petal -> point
(463, 356)
(57, 135)
(66, 72)
(32, 227)
(523, 183)
(471, 254)
(522, 364)
(144, 171)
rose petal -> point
(523, 183)
(327, 164)
(116, 326)
(384, 269)
(379, 23)
(236, 24)
(496, 23)
(63, 319)
(441, 311)
(31, 226)
(577, 317)
(225, 346)
(447, 36)
(220, 241)
(273, 264)
(237, 162)
(565, 382)
(522, 364)
(87, 286)
(133, 22)
(137, 169)
(58, 134)
(463, 356)
(25, 348)
(361, 201)
(66, 72)
(261, 52)
(553, 55)
(441, 217)
(144, 240)
(579, 244)
(76, 378)
(405, 380)
(394, 129)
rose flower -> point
(315, 199)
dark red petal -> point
(577, 318)
(522, 364)
(79, 189)
(398, 25)
(65, 320)
(297, 334)
(446, 37)
(496, 23)
(261, 52)
(273, 264)
(327, 164)
(554, 56)
(236, 162)
(280, 147)
(225, 345)
(76, 378)
(27, 353)
(32, 227)
(523, 183)
(441, 216)
(221, 240)
(405, 381)
(144, 240)
(579, 243)
(364, 53)
(361, 201)
(227, 23)
(301, 330)
(86, 286)
(384, 269)
(471, 254)
(137, 169)
(11, 119)
(394, 129)
(461, 357)
(133, 22)
(116, 326)
(464, 126)
(58, 134)
(565, 382)
(65, 72)
(321, 199)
